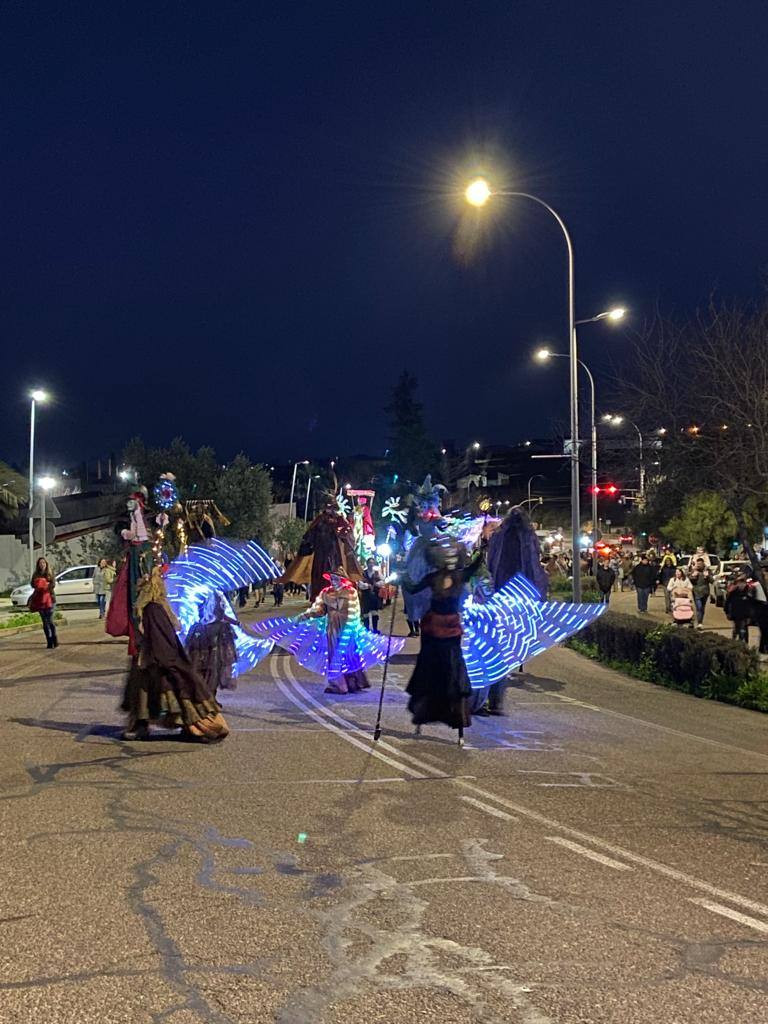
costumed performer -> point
(162, 685)
(371, 588)
(327, 545)
(211, 644)
(440, 688)
(330, 639)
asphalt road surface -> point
(598, 855)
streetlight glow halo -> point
(478, 192)
(38, 395)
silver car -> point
(73, 586)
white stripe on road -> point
(488, 809)
(578, 848)
(647, 862)
(734, 915)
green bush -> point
(682, 659)
(561, 589)
(22, 619)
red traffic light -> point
(610, 489)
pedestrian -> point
(278, 592)
(242, 596)
(100, 587)
(739, 607)
(701, 581)
(43, 600)
(606, 577)
(370, 595)
(700, 553)
(666, 574)
(644, 577)
(681, 598)
(627, 565)
(110, 574)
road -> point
(599, 855)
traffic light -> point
(609, 490)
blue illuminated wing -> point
(220, 566)
(514, 625)
(355, 648)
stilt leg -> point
(417, 731)
(461, 736)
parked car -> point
(73, 586)
(725, 575)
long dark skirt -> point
(439, 687)
(162, 684)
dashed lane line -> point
(591, 854)
(733, 915)
(526, 812)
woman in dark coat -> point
(162, 685)
(440, 690)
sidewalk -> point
(714, 618)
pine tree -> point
(411, 452)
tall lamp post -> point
(477, 193)
(38, 395)
(616, 421)
(536, 476)
(46, 483)
(309, 488)
(544, 354)
(291, 510)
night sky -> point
(238, 222)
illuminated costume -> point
(513, 549)
(327, 545)
(203, 575)
(211, 644)
(121, 615)
(440, 687)
(162, 685)
(329, 638)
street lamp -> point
(616, 421)
(309, 488)
(45, 483)
(536, 476)
(291, 510)
(37, 395)
(544, 354)
(477, 193)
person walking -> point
(370, 591)
(681, 599)
(643, 576)
(738, 607)
(100, 587)
(606, 577)
(110, 573)
(625, 573)
(278, 592)
(43, 600)
(701, 581)
(666, 574)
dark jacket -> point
(605, 577)
(644, 574)
(700, 582)
(738, 603)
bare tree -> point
(703, 386)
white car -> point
(73, 586)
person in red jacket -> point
(43, 600)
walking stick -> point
(377, 730)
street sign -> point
(51, 508)
(50, 532)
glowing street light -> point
(36, 395)
(478, 192)
(47, 483)
(476, 446)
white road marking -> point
(578, 848)
(488, 809)
(734, 915)
(526, 812)
(655, 725)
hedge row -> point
(561, 589)
(702, 664)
